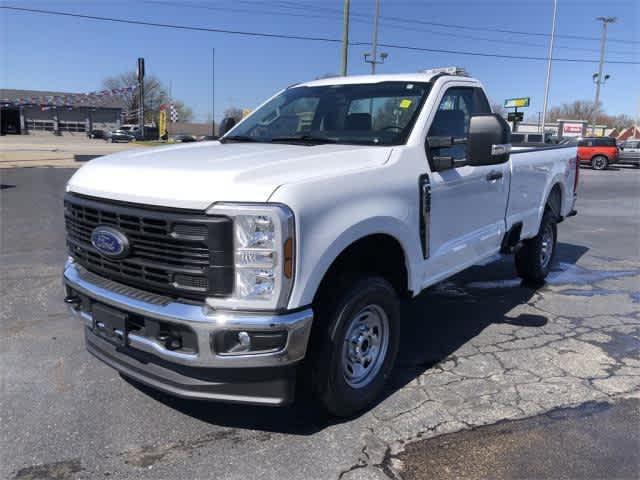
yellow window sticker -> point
(405, 103)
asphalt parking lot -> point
(478, 350)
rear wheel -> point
(354, 344)
(535, 257)
(599, 162)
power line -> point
(169, 25)
(500, 30)
(299, 37)
(496, 55)
(361, 20)
(293, 5)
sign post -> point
(140, 75)
(514, 103)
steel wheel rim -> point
(365, 346)
(599, 163)
(546, 246)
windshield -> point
(376, 114)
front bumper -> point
(202, 373)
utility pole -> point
(141, 94)
(213, 92)
(345, 38)
(374, 43)
(597, 77)
(549, 61)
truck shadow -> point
(435, 325)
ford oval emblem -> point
(110, 242)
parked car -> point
(207, 138)
(286, 247)
(96, 134)
(630, 152)
(599, 152)
(530, 138)
(184, 138)
(120, 136)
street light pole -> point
(345, 38)
(598, 77)
(374, 43)
(549, 61)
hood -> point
(197, 175)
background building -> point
(30, 111)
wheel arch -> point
(369, 251)
(555, 198)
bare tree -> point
(584, 110)
(155, 94)
(233, 112)
(578, 110)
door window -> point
(453, 117)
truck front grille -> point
(181, 253)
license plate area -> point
(109, 323)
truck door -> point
(467, 203)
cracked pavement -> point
(476, 350)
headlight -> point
(263, 242)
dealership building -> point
(29, 111)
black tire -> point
(599, 162)
(533, 259)
(336, 313)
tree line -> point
(155, 95)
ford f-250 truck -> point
(228, 270)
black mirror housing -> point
(489, 140)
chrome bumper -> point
(201, 319)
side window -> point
(453, 116)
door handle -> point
(494, 175)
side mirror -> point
(489, 140)
(227, 124)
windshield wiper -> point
(305, 139)
(239, 138)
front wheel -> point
(355, 345)
(535, 257)
(599, 162)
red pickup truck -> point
(599, 152)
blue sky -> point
(45, 52)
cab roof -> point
(395, 77)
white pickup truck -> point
(228, 270)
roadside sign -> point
(515, 116)
(162, 123)
(572, 129)
(516, 102)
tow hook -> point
(73, 301)
(170, 342)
